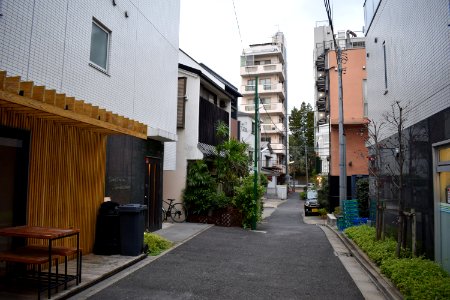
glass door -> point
(442, 205)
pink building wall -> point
(354, 119)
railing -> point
(273, 128)
(275, 68)
(264, 88)
(270, 108)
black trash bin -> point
(107, 230)
(132, 219)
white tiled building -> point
(49, 42)
(408, 46)
(121, 56)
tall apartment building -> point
(408, 45)
(268, 62)
(327, 108)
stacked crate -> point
(351, 212)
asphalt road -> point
(284, 259)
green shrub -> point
(323, 212)
(337, 211)
(244, 201)
(302, 195)
(156, 243)
(201, 193)
(416, 278)
(263, 179)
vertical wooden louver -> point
(181, 106)
(66, 175)
(67, 160)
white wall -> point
(48, 42)
(416, 35)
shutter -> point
(181, 102)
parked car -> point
(311, 204)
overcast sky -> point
(209, 34)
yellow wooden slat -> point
(26, 88)
(12, 84)
(2, 79)
(70, 103)
(60, 100)
(38, 93)
(49, 96)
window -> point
(100, 37)
(385, 68)
(266, 138)
(265, 83)
(366, 105)
(264, 100)
(253, 127)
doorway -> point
(441, 166)
(153, 192)
(14, 158)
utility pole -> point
(257, 153)
(342, 147)
(306, 157)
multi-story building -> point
(61, 156)
(204, 100)
(408, 63)
(327, 108)
(267, 61)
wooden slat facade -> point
(67, 160)
(66, 175)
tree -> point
(375, 130)
(301, 140)
(396, 119)
(231, 161)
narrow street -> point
(284, 259)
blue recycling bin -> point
(132, 219)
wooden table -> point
(46, 233)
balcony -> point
(266, 108)
(263, 70)
(320, 83)
(281, 167)
(321, 106)
(273, 128)
(278, 148)
(277, 88)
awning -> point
(24, 97)
(207, 149)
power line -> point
(237, 22)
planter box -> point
(227, 217)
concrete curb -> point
(383, 284)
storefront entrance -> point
(14, 149)
(441, 168)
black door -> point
(14, 156)
(153, 192)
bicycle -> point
(176, 211)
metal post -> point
(306, 158)
(257, 151)
(342, 148)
